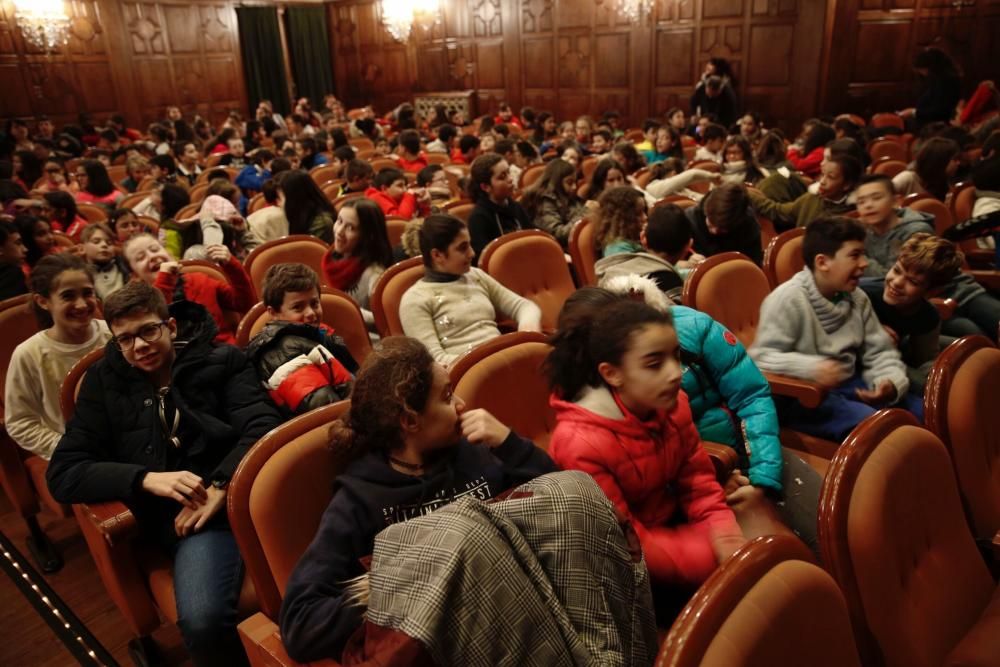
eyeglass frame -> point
(159, 334)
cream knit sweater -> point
(452, 318)
(34, 378)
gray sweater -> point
(452, 318)
(882, 250)
(799, 328)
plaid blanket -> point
(543, 577)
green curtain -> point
(263, 61)
(309, 47)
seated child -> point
(415, 450)
(819, 326)
(110, 269)
(161, 424)
(298, 358)
(434, 179)
(924, 265)
(359, 175)
(218, 223)
(410, 157)
(12, 266)
(391, 194)
(268, 223)
(619, 219)
(552, 201)
(840, 174)
(714, 138)
(496, 212)
(888, 226)
(65, 303)
(621, 417)
(454, 307)
(360, 253)
(152, 264)
(124, 224)
(724, 222)
(666, 241)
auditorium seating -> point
(961, 400)
(768, 604)
(783, 256)
(893, 535)
(531, 263)
(389, 291)
(22, 473)
(583, 252)
(302, 248)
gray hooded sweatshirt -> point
(883, 250)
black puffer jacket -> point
(116, 436)
(306, 366)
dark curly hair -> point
(394, 380)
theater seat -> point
(783, 256)
(766, 605)
(300, 248)
(389, 291)
(893, 535)
(583, 252)
(961, 408)
(137, 577)
(340, 313)
(22, 473)
(276, 500)
(531, 263)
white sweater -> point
(34, 378)
(452, 318)
(799, 328)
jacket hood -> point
(596, 406)
(909, 216)
(632, 284)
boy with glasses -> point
(161, 424)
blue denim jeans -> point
(839, 412)
(208, 574)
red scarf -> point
(341, 272)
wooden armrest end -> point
(112, 519)
(809, 394)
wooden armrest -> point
(945, 307)
(809, 394)
(262, 641)
(988, 279)
(724, 458)
(112, 519)
(981, 258)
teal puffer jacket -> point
(730, 399)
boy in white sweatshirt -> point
(819, 326)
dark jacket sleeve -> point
(11, 281)
(250, 409)
(83, 469)
(482, 230)
(522, 460)
(315, 620)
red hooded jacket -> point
(404, 208)
(649, 470)
(215, 296)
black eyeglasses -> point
(149, 333)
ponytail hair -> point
(394, 380)
(595, 326)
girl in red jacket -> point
(622, 418)
(152, 264)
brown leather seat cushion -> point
(795, 614)
(981, 645)
(922, 581)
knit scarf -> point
(831, 313)
(432, 276)
(342, 272)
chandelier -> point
(42, 22)
(633, 10)
(398, 16)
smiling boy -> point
(161, 424)
(819, 326)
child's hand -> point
(884, 393)
(893, 336)
(183, 486)
(190, 521)
(725, 546)
(237, 222)
(218, 253)
(480, 427)
(828, 374)
(170, 267)
(736, 480)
